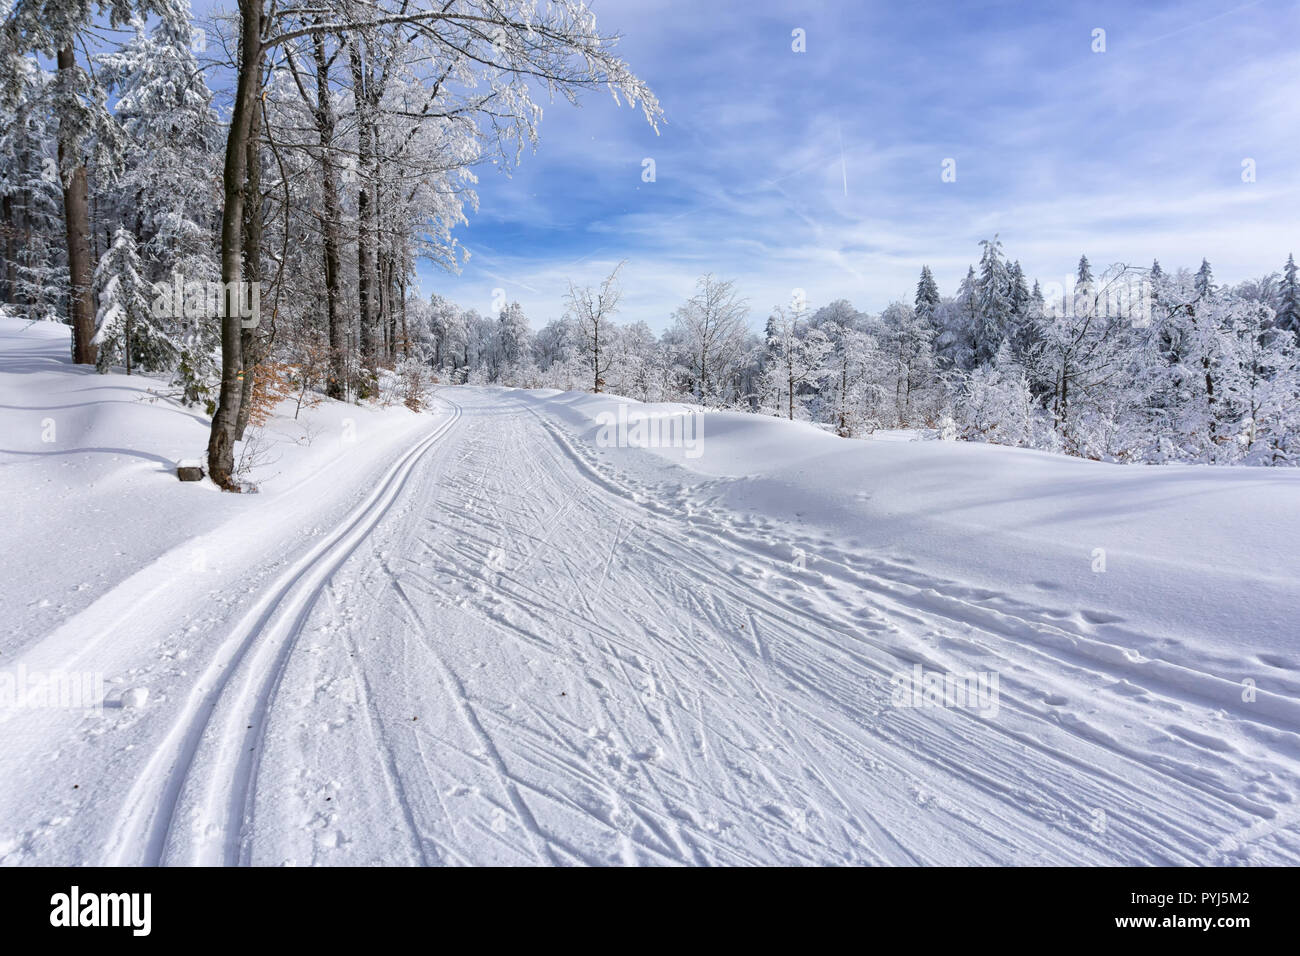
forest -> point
(1131, 364)
(303, 155)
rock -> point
(189, 470)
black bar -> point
(925, 906)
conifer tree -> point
(1288, 312)
(1205, 287)
(127, 331)
(927, 296)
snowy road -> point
(512, 652)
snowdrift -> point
(1195, 557)
(89, 487)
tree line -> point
(1131, 364)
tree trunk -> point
(252, 257)
(221, 442)
(325, 122)
(844, 398)
(11, 250)
(76, 218)
(385, 301)
(1065, 398)
(94, 233)
(26, 243)
(390, 307)
(1209, 394)
(406, 335)
(366, 285)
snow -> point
(1193, 552)
(89, 473)
(484, 635)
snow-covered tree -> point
(1083, 275)
(710, 328)
(640, 369)
(591, 313)
(127, 331)
(926, 301)
(514, 333)
(846, 364)
(797, 358)
(993, 297)
(169, 184)
(954, 343)
(1260, 378)
(1081, 349)
(88, 134)
(35, 275)
(995, 404)
(1288, 307)
(1205, 287)
(908, 367)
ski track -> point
(231, 719)
(514, 653)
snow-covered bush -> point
(995, 404)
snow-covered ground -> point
(488, 635)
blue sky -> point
(821, 170)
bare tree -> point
(711, 326)
(591, 312)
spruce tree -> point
(33, 274)
(126, 330)
(1085, 273)
(1021, 333)
(993, 303)
(1204, 285)
(1019, 292)
(1288, 313)
(1157, 283)
(927, 295)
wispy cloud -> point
(821, 170)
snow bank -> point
(1152, 557)
(89, 488)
